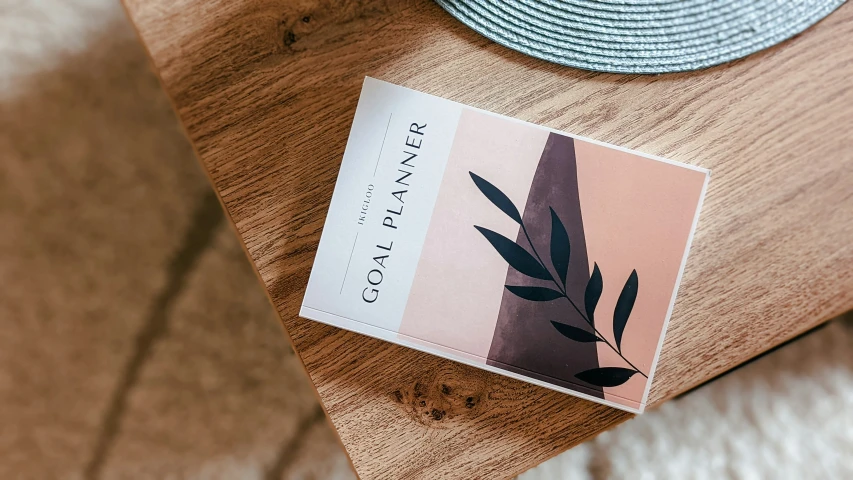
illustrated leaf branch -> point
(533, 266)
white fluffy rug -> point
(787, 415)
(97, 191)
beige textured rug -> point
(135, 342)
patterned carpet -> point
(135, 341)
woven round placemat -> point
(639, 36)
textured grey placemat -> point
(639, 36)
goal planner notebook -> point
(515, 248)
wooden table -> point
(267, 90)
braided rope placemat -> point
(639, 36)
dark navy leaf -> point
(536, 294)
(575, 333)
(593, 292)
(623, 308)
(606, 376)
(497, 197)
(560, 247)
(516, 256)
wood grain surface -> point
(267, 89)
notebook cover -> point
(539, 255)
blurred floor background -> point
(135, 341)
